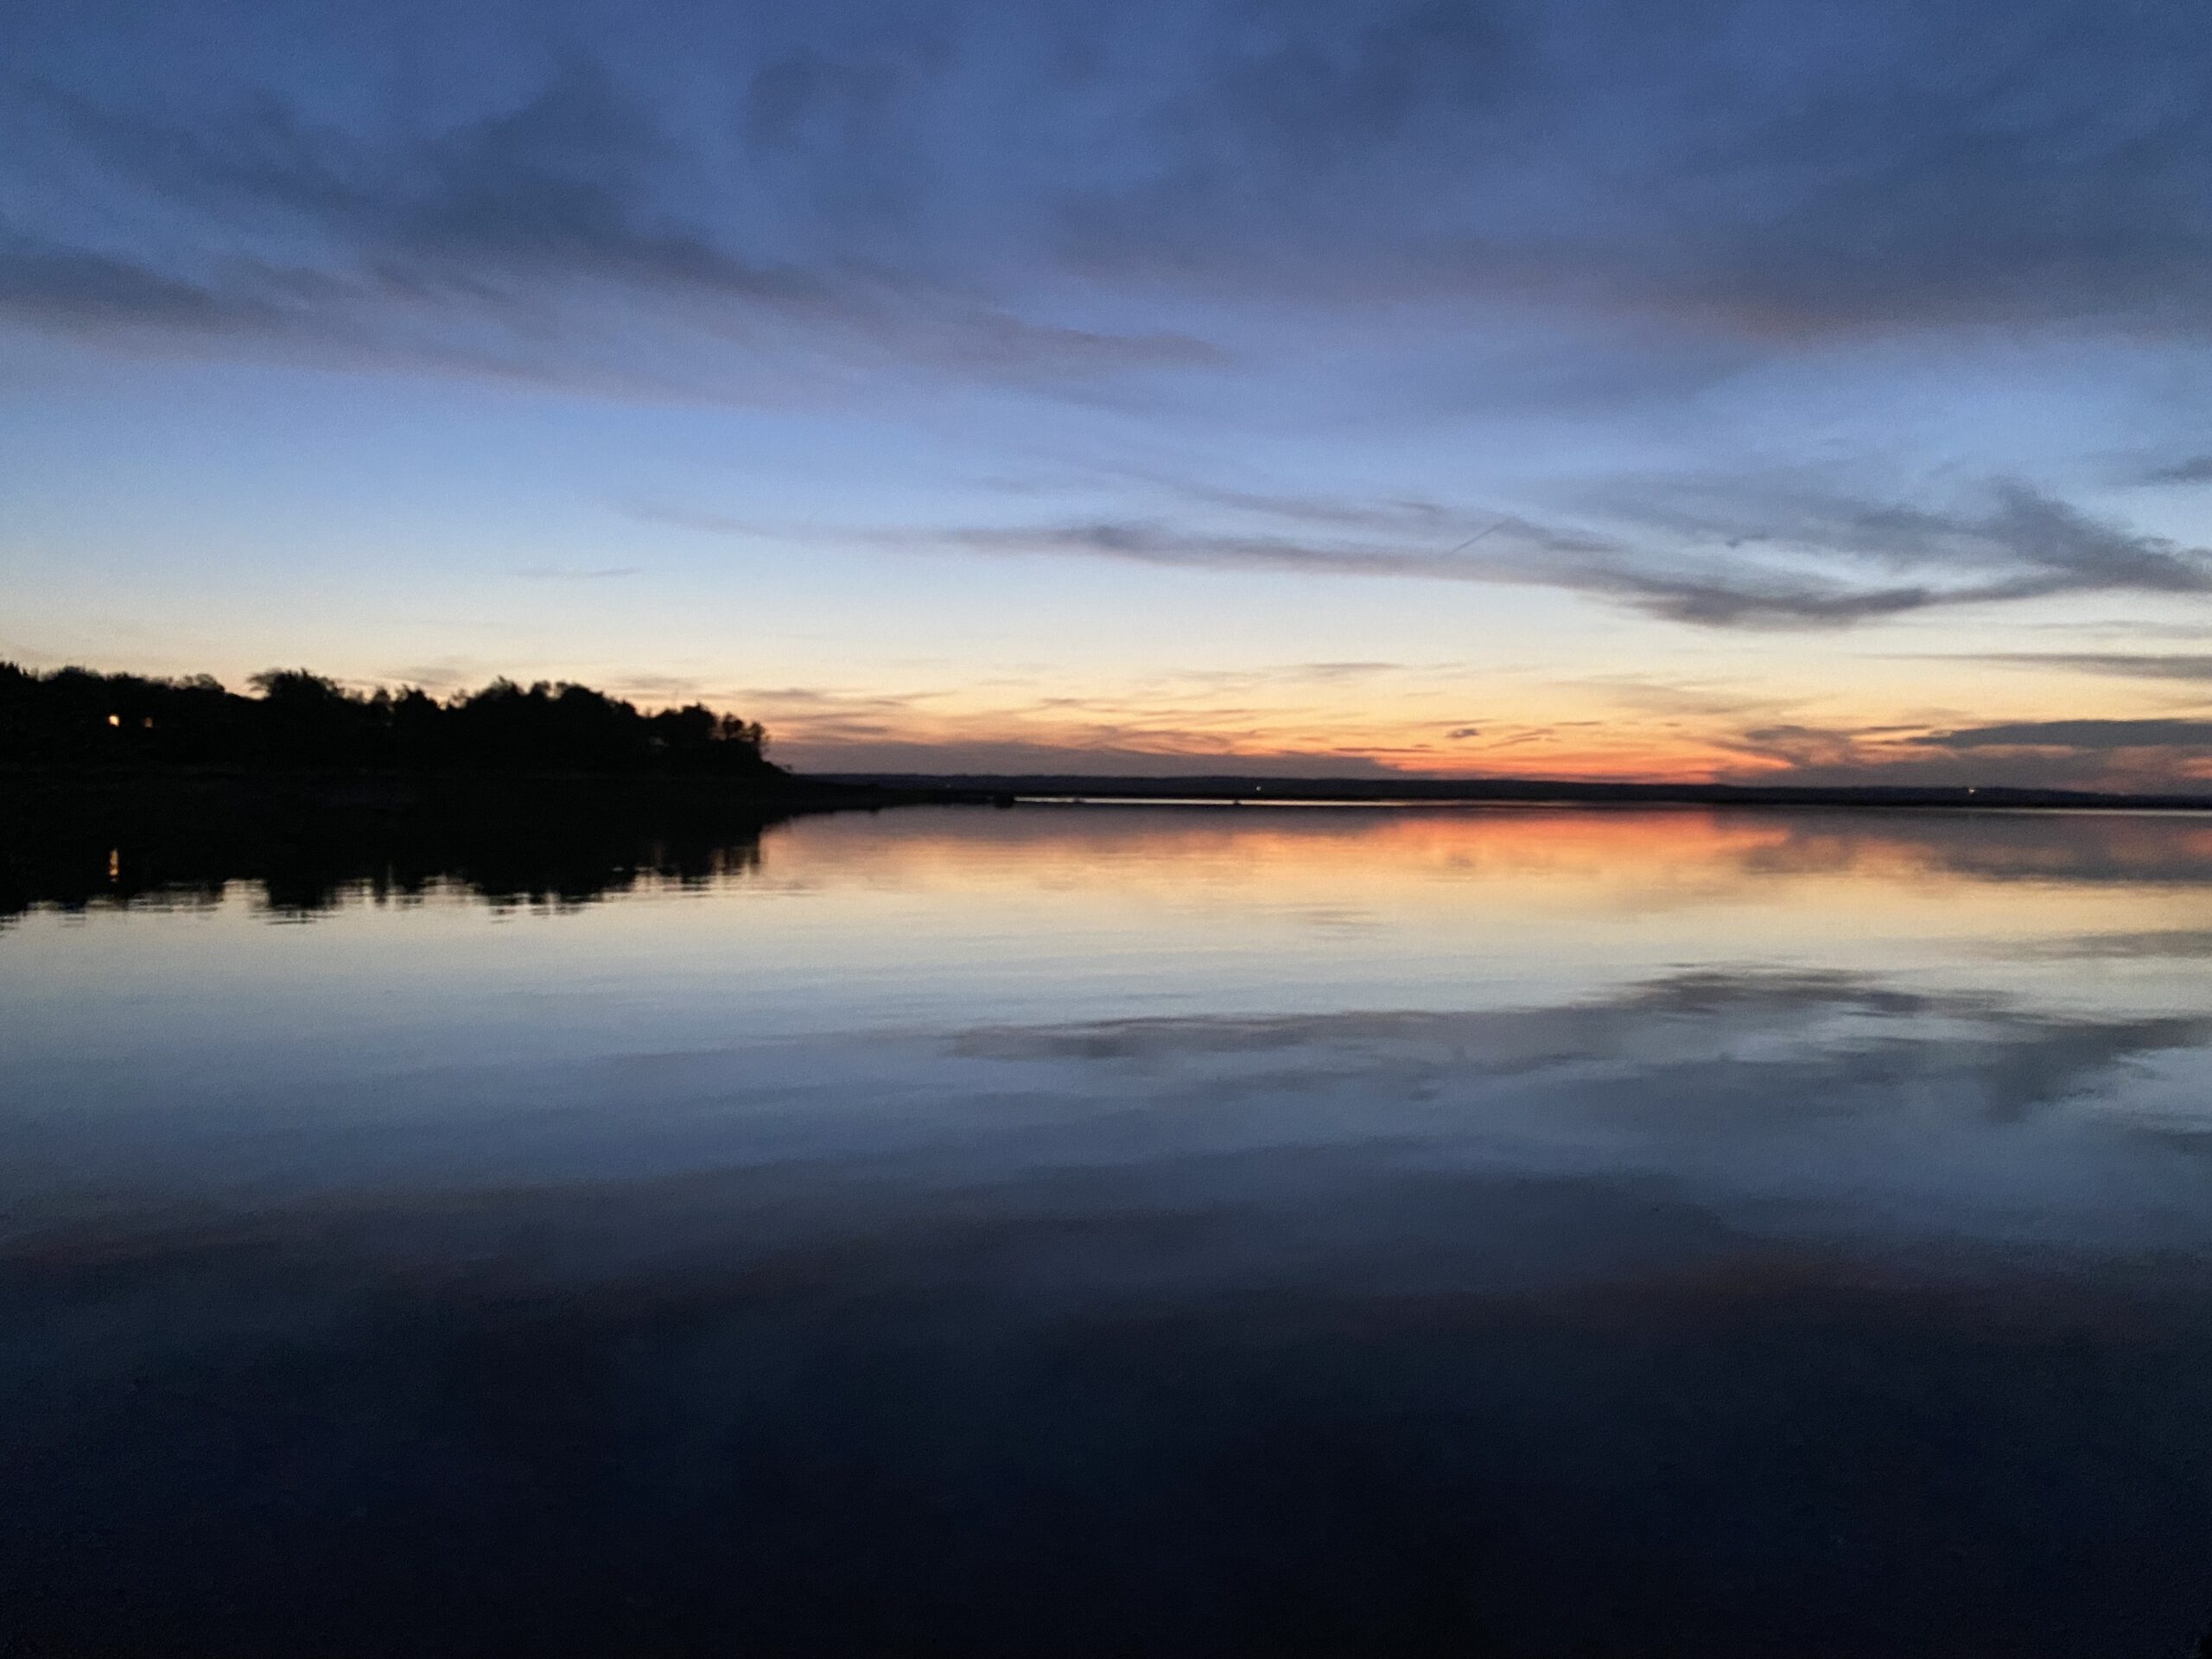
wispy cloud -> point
(520, 228)
(2191, 667)
(2195, 469)
(2088, 736)
(77, 288)
(1755, 558)
(886, 175)
(2151, 754)
(2017, 542)
(1591, 153)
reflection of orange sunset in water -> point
(1337, 844)
(1557, 886)
(878, 1117)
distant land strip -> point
(1224, 789)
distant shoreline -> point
(1221, 790)
(35, 797)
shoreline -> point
(1075, 788)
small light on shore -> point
(115, 720)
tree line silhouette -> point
(74, 716)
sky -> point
(1791, 391)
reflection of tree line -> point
(503, 858)
(74, 716)
(115, 787)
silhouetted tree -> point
(73, 716)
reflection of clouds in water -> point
(2157, 849)
(1135, 1212)
(1877, 1106)
(1786, 1104)
(1853, 1031)
(1732, 1293)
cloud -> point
(1234, 722)
(1220, 199)
(1780, 172)
(1702, 698)
(892, 753)
(562, 182)
(2015, 543)
(1714, 556)
(2137, 665)
(1733, 554)
(1752, 543)
(443, 675)
(2111, 755)
(72, 288)
(2094, 736)
(1404, 514)
(467, 215)
(1783, 170)
(549, 572)
(516, 226)
(1518, 551)
(1161, 542)
(2197, 469)
(2153, 755)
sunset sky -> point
(1590, 388)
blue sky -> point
(1783, 390)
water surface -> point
(1126, 1230)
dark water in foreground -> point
(1129, 1231)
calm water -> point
(1128, 1230)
